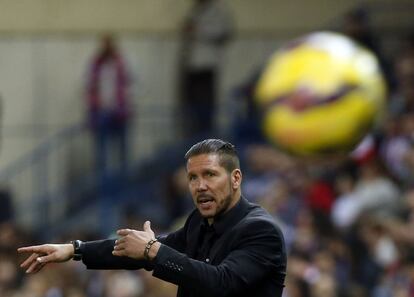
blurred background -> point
(98, 108)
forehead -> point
(203, 161)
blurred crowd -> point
(348, 221)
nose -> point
(201, 185)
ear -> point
(236, 178)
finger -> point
(46, 259)
(29, 260)
(120, 240)
(124, 232)
(118, 253)
(33, 267)
(32, 249)
(119, 247)
(38, 267)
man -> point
(227, 247)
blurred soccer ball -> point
(320, 94)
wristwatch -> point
(77, 254)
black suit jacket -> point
(248, 258)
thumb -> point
(147, 226)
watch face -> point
(77, 254)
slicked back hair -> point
(226, 151)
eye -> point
(192, 177)
(210, 174)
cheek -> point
(192, 191)
(191, 187)
(226, 187)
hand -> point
(132, 242)
(44, 254)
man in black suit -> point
(227, 247)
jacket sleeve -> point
(98, 254)
(258, 253)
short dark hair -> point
(225, 150)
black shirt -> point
(209, 234)
(207, 238)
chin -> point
(207, 215)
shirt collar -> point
(227, 220)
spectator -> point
(402, 100)
(206, 30)
(108, 104)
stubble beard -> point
(225, 203)
(224, 206)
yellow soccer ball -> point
(320, 94)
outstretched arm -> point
(43, 254)
(127, 252)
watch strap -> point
(77, 251)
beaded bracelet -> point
(148, 247)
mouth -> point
(205, 201)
